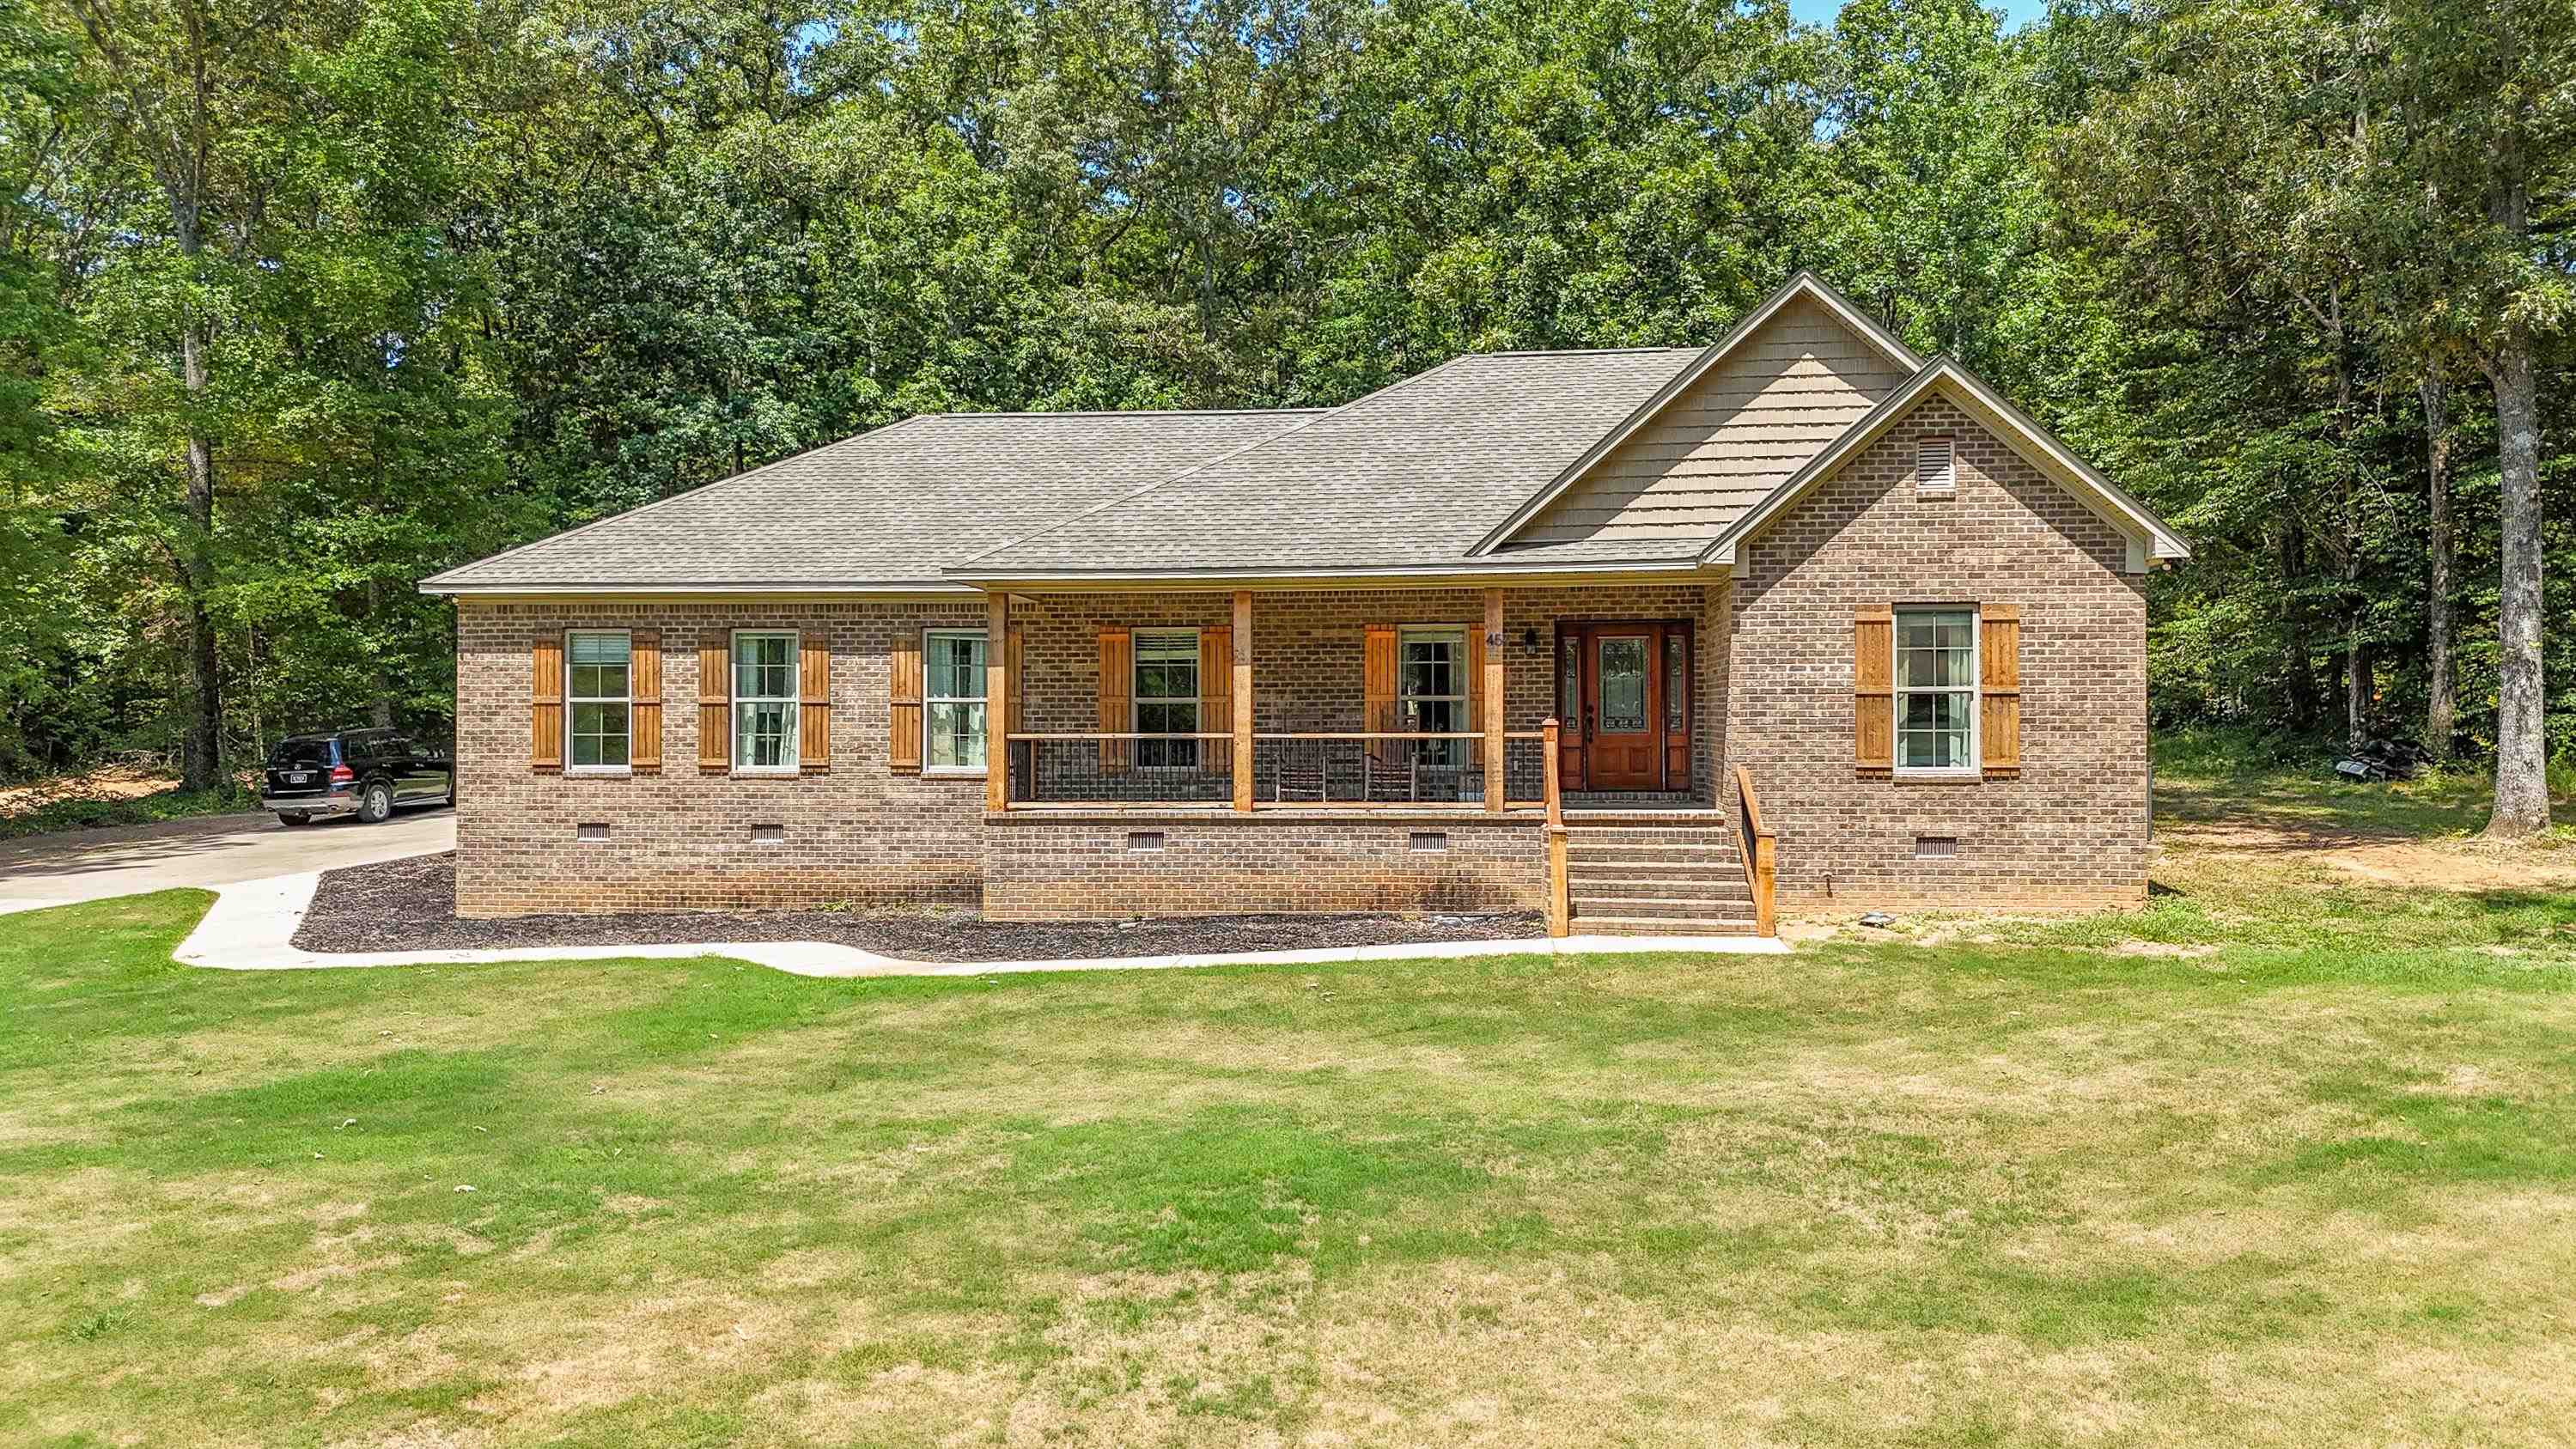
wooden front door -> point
(1624, 695)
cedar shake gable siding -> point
(1776, 399)
(2071, 829)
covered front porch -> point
(1412, 749)
(1260, 700)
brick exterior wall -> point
(1046, 868)
(681, 840)
(2072, 829)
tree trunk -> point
(2298, 666)
(2441, 707)
(2357, 688)
(2522, 748)
(201, 752)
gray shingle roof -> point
(889, 507)
(1412, 475)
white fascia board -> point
(868, 590)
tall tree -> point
(2441, 703)
(273, 372)
(2483, 197)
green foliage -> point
(467, 273)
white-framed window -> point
(1167, 697)
(1936, 691)
(953, 715)
(764, 701)
(600, 700)
(1936, 467)
(1431, 690)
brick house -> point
(1638, 637)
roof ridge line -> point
(1118, 413)
(580, 528)
(1201, 466)
(1587, 351)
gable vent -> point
(1936, 467)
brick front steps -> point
(1632, 876)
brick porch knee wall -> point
(2072, 830)
(681, 840)
(1049, 869)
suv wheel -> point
(377, 803)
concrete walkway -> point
(206, 853)
(252, 926)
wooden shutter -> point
(545, 704)
(645, 657)
(715, 699)
(903, 705)
(1999, 688)
(1874, 689)
(1216, 698)
(1117, 688)
(814, 713)
(1017, 684)
(1377, 687)
(1475, 690)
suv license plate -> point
(298, 777)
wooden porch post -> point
(1243, 700)
(1492, 687)
(997, 713)
(1559, 912)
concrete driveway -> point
(85, 865)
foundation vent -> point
(1935, 847)
(769, 835)
(597, 831)
(1144, 840)
(1430, 842)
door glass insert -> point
(1623, 685)
(1676, 682)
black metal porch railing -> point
(1287, 769)
(1122, 769)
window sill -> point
(953, 772)
(600, 772)
(788, 773)
(1968, 776)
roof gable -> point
(1784, 381)
(2150, 536)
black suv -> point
(365, 773)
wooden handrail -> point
(1559, 906)
(1759, 847)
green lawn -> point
(2301, 1186)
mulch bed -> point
(410, 905)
